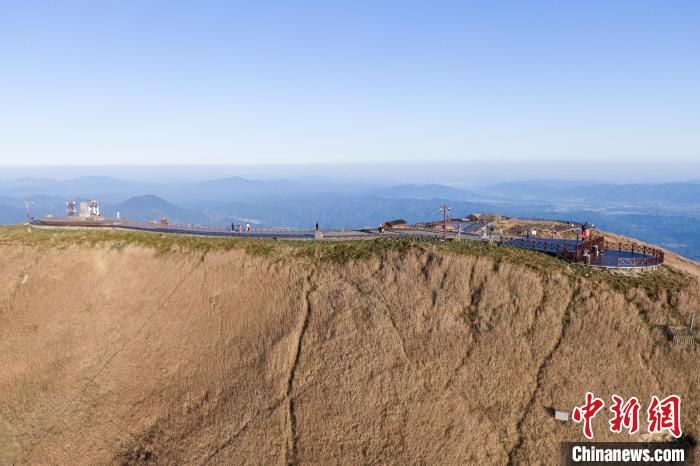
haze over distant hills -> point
(667, 214)
(466, 174)
(649, 193)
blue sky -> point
(207, 82)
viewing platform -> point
(596, 252)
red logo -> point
(626, 415)
(587, 412)
(665, 415)
(662, 415)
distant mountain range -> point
(428, 191)
(666, 214)
(150, 207)
(663, 193)
(105, 188)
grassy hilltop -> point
(136, 348)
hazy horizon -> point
(459, 173)
(362, 195)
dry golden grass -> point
(120, 349)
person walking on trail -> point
(247, 227)
(316, 226)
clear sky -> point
(208, 82)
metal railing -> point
(642, 256)
(638, 261)
(595, 251)
(552, 220)
(544, 245)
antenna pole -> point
(26, 211)
(444, 209)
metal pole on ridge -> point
(444, 210)
(26, 211)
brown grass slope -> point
(119, 348)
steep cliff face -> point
(120, 353)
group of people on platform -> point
(240, 228)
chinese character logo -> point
(665, 415)
(587, 412)
(626, 415)
(662, 415)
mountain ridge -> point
(194, 350)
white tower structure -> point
(94, 208)
(71, 208)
